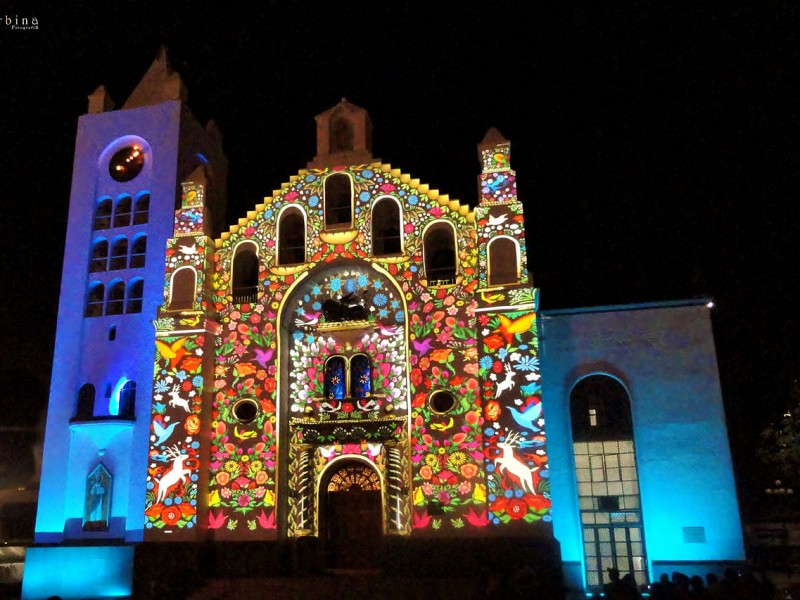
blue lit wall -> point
(664, 354)
(78, 572)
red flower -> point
(171, 515)
(516, 508)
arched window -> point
(135, 295)
(141, 210)
(122, 212)
(182, 289)
(138, 251)
(115, 298)
(607, 480)
(338, 201)
(94, 300)
(102, 213)
(119, 254)
(439, 252)
(291, 237)
(386, 228)
(99, 260)
(97, 505)
(126, 401)
(341, 135)
(503, 261)
(84, 408)
(360, 376)
(335, 379)
(245, 274)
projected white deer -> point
(507, 462)
(178, 472)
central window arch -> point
(503, 259)
(439, 253)
(386, 228)
(338, 201)
(348, 378)
(291, 237)
(245, 273)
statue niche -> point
(347, 308)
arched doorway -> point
(351, 516)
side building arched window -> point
(122, 211)
(386, 227)
(84, 407)
(245, 273)
(182, 289)
(141, 209)
(338, 201)
(291, 237)
(133, 302)
(99, 260)
(119, 254)
(503, 259)
(138, 252)
(115, 299)
(102, 214)
(439, 253)
(127, 400)
(94, 300)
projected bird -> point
(423, 346)
(528, 417)
(263, 356)
(174, 351)
(508, 328)
(162, 432)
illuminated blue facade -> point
(637, 462)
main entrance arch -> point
(351, 515)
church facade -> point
(358, 365)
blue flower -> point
(364, 196)
(310, 339)
(367, 174)
(502, 353)
(527, 363)
(382, 313)
(379, 300)
(400, 316)
(395, 304)
(314, 200)
(310, 178)
(161, 386)
(362, 280)
(413, 199)
(297, 335)
(351, 285)
(197, 381)
(336, 284)
(268, 213)
(181, 375)
(316, 290)
(317, 305)
(377, 284)
(486, 362)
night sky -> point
(656, 148)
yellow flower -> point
(213, 498)
(419, 498)
(479, 494)
(269, 498)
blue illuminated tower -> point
(128, 168)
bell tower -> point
(128, 167)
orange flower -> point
(492, 410)
(493, 342)
(425, 472)
(441, 354)
(244, 368)
(469, 470)
(223, 478)
(190, 363)
(192, 424)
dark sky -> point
(656, 148)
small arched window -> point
(503, 261)
(127, 400)
(99, 260)
(122, 212)
(84, 408)
(335, 378)
(94, 300)
(291, 237)
(600, 410)
(182, 289)
(135, 295)
(116, 298)
(141, 210)
(102, 213)
(386, 228)
(119, 254)
(138, 251)
(439, 252)
(245, 274)
(338, 201)
(341, 135)
(360, 376)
